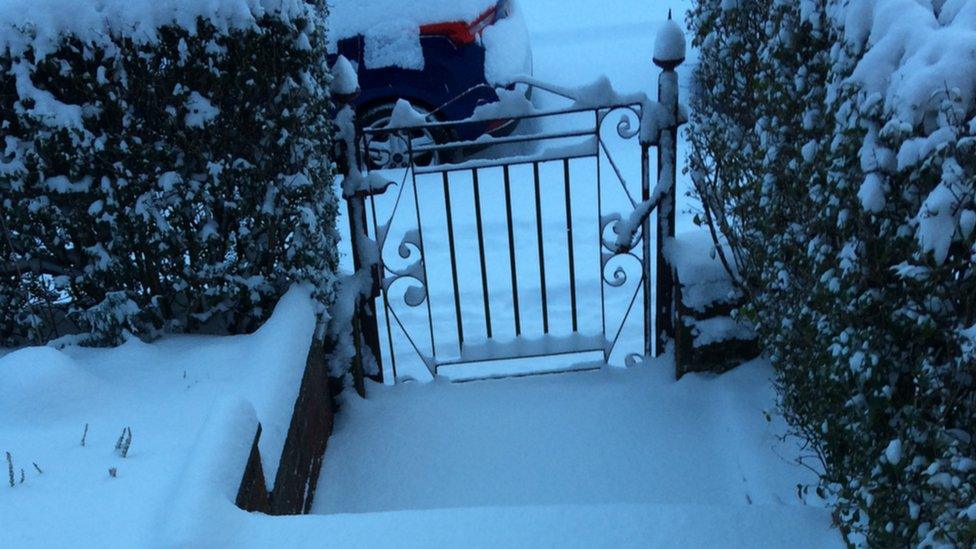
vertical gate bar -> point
(542, 248)
(569, 242)
(357, 230)
(650, 322)
(423, 257)
(385, 293)
(511, 251)
(481, 250)
(365, 307)
(454, 270)
(599, 234)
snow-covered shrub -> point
(165, 164)
(842, 170)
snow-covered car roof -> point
(349, 18)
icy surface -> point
(192, 404)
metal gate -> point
(453, 280)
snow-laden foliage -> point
(170, 176)
(835, 147)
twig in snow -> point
(84, 436)
(22, 476)
(113, 472)
(128, 442)
(125, 440)
(10, 468)
(38, 468)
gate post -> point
(669, 53)
(365, 322)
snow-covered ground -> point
(169, 394)
(689, 463)
(608, 458)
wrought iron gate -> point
(517, 320)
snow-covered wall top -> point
(912, 49)
(38, 24)
(349, 18)
(700, 271)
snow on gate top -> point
(39, 24)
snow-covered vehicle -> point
(446, 57)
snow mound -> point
(37, 383)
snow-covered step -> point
(686, 526)
(611, 437)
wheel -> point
(392, 150)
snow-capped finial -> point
(669, 46)
(345, 81)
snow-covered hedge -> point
(835, 147)
(164, 164)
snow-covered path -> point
(700, 450)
